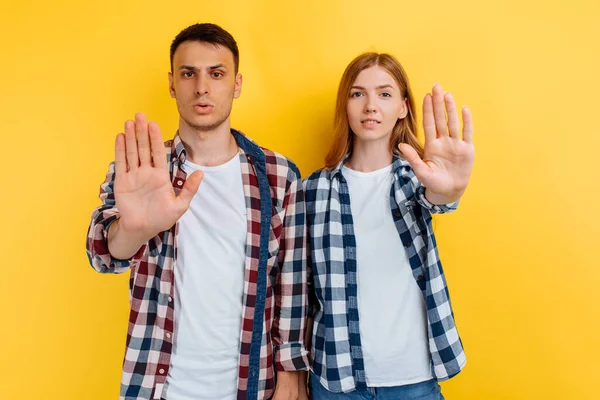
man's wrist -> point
(123, 244)
(288, 378)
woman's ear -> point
(403, 109)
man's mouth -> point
(203, 108)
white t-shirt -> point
(391, 308)
(209, 285)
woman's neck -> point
(369, 156)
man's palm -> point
(143, 191)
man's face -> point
(204, 84)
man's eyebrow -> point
(212, 67)
(217, 66)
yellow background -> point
(519, 254)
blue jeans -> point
(428, 390)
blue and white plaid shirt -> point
(337, 357)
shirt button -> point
(398, 214)
(420, 277)
(168, 335)
(179, 183)
(170, 299)
(161, 371)
(408, 244)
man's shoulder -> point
(276, 163)
(280, 165)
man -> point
(218, 270)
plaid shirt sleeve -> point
(312, 297)
(433, 208)
(291, 291)
(97, 237)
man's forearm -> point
(123, 245)
(302, 384)
(287, 385)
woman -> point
(383, 322)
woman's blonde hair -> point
(405, 130)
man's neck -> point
(208, 148)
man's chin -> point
(203, 124)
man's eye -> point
(188, 74)
(217, 74)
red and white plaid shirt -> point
(275, 297)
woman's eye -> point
(356, 94)
(386, 94)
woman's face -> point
(375, 105)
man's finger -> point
(159, 155)
(133, 160)
(189, 190)
(120, 159)
(143, 141)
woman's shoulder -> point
(316, 186)
(317, 178)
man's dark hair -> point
(207, 33)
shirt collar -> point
(247, 145)
(399, 166)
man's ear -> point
(171, 86)
(238, 86)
